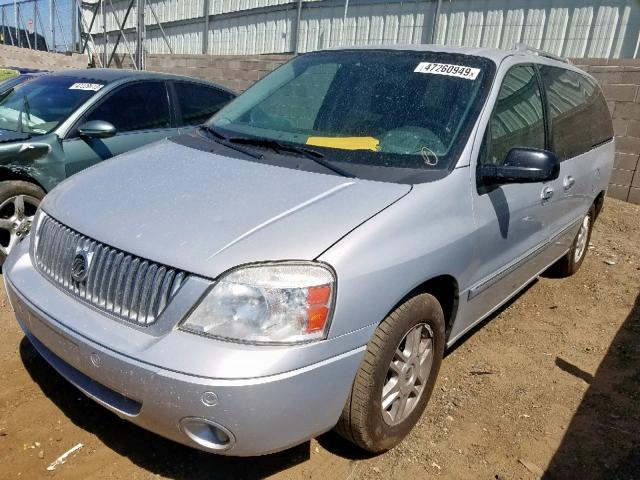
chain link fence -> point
(46, 25)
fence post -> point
(74, 26)
(105, 39)
(52, 26)
(205, 27)
(140, 34)
(296, 37)
(436, 20)
(17, 28)
(35, 25)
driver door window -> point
(136, 107)
(140, 113)
(517, 119)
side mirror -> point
(96, 129)
(523, 165)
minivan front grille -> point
(124, 285)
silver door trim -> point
(494, 278)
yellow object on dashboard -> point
(345, 143)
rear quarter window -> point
(199, 102)
(601, 128)
(578, 112)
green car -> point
(63, 122)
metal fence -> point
(48, 25)
(574, 28)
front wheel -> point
(18, 204)
(396, 377)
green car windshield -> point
(367, 108)
(39, 106)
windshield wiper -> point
(223, 140)
(280, 147)
(24, 110)
(27, 108)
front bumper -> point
(256, 415)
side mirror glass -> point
(96, 129)
(523, 165)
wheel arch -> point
(445, 289)
(8, 174)
(598, 203)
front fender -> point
(40, 160)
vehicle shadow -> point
(603, 438)
(145, 449)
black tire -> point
(362, 421)
(10, 189)
(569, 264)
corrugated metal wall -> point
(600, 28)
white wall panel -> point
(456, 29)
(534, 27)
(622, 32)
(473, 32)
(556, 30)
(492, 29)
(574, 28)
(603, 33)
(250, 34)
(578, 34)
(513, 27)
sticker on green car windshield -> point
(460, 71)
(86, 86)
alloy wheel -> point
(581, 242)
(16, 217)
(408, 374)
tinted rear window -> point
(199, 102)
(580, 119)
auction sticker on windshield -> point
(86, 86)
(460, 71)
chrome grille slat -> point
(112, 284)
(93, 273)
(147, 294)
(128, 287)
(164, 289)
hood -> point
(11, 136)
(206, 213)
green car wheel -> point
(18, 204)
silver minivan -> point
(302, 261)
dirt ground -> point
(549, 387)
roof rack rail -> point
(523, 47)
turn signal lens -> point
(318, 299)
(319, 295)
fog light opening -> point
(207, 434)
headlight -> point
(287, 302)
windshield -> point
(40, 105)
(367, 109)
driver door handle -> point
(568, 182)
(547, 193)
